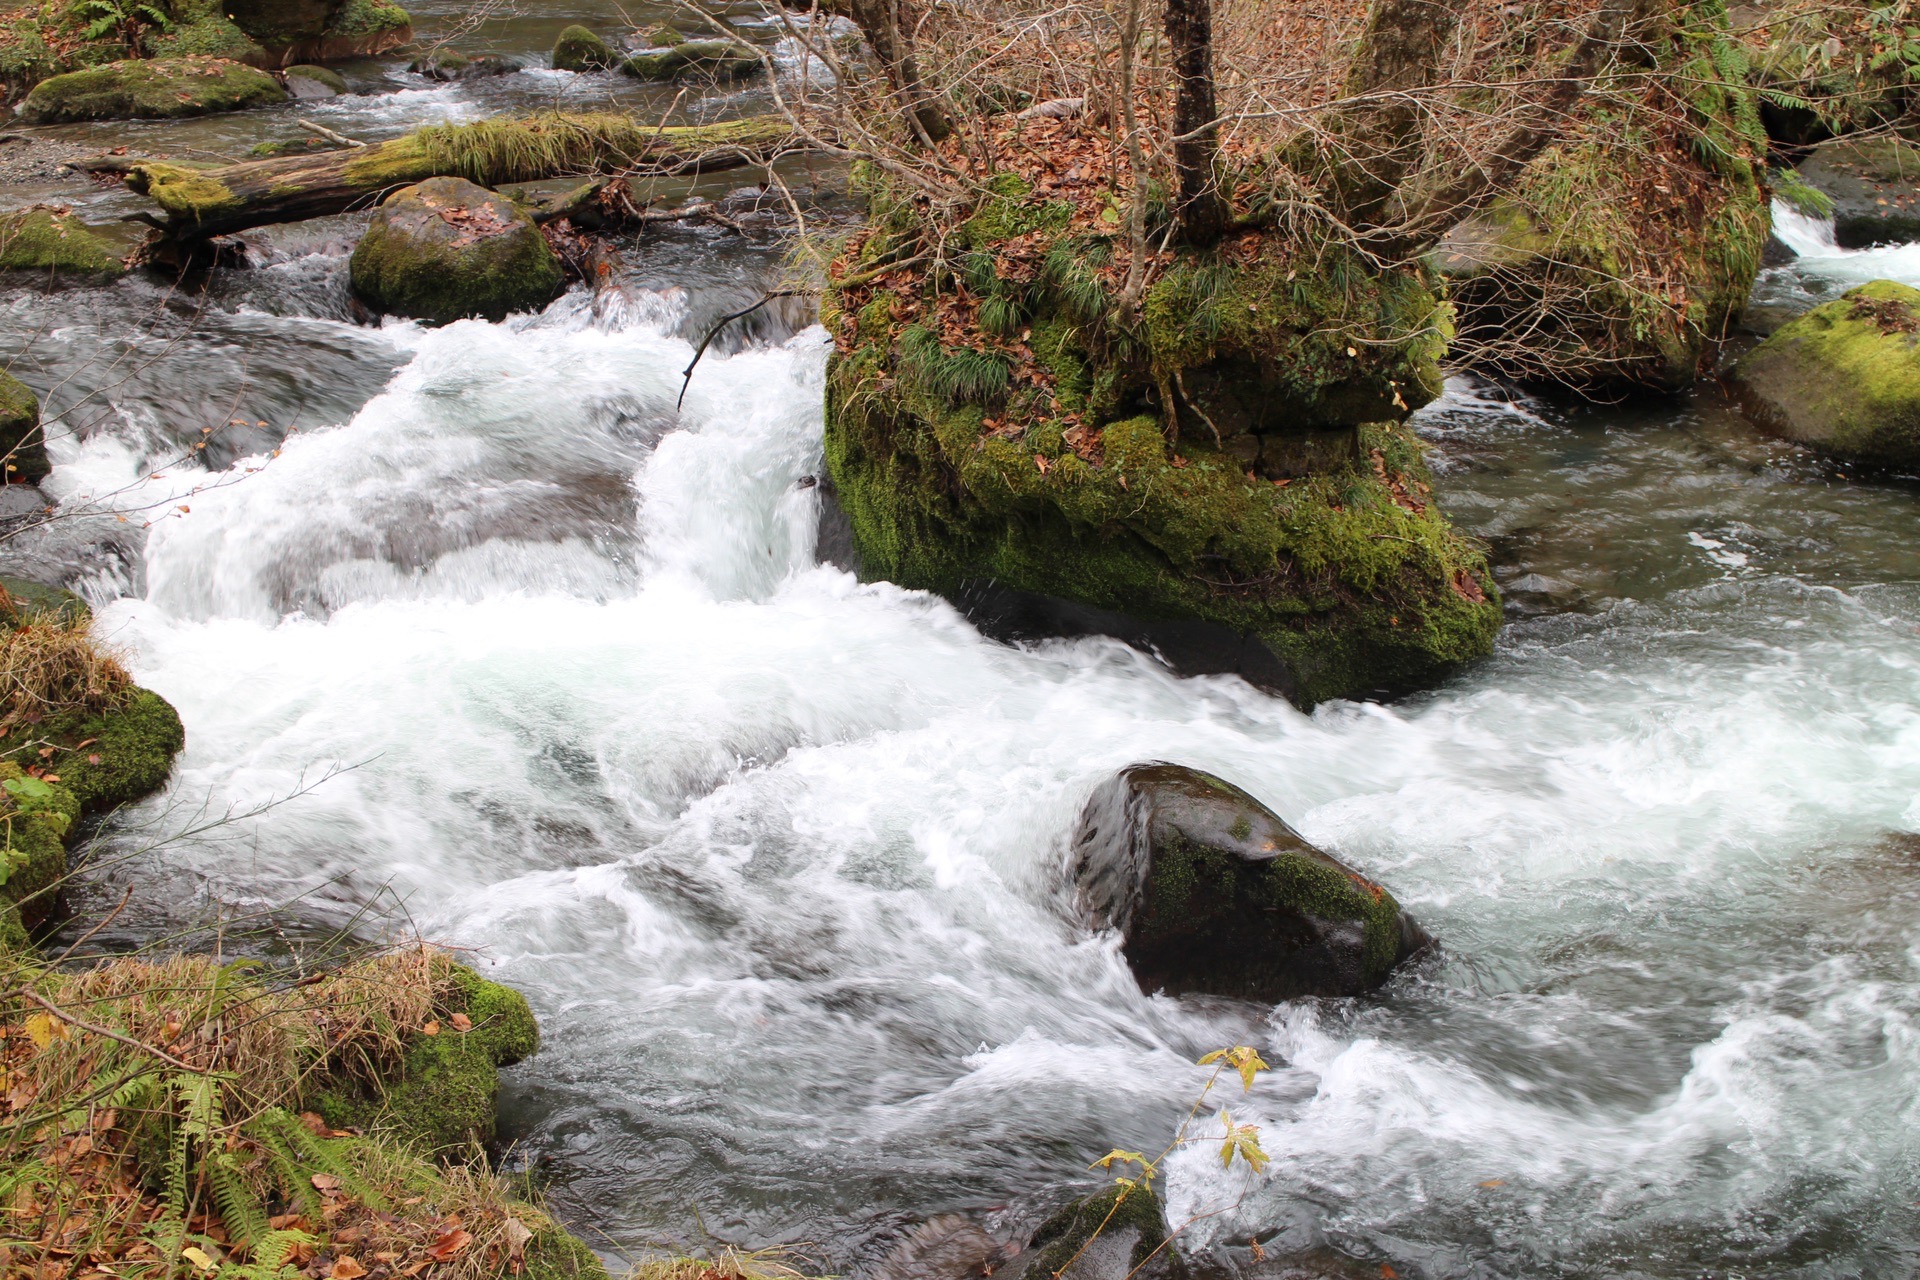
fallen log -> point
(200, 202)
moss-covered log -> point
(211, 202)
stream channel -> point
(777, 856)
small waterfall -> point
(1807, 237)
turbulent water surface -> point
(777, 855)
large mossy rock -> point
(106, 759)
(578, 49)
(1628, 250)
(713, 59)
(151, 89)
(22, 445)
(1287, 534)
(1874, 184)
(1844, 378)
(442, 1098)
(49, 238)
(1212, 893)
(37, 817)
(1116, 1234)
(445, 249)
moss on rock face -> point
(203, 28)
(718, 59)
(1844, 378)
(442, 1098)
(1628, 251)
(22, 446)
(127, 752)
(46, 238)
(151, 89)
(35, 819)
(1037, 456)
(579, 49)
(444, 249)
(1128, 1220)
(309, 81)
(1873, 185)
(361, 29)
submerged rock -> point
(449, 64)
(1843, 378)
(444, 249)
(1212, 893)
(22, 444)
(579, 49)
(308, 81)
(1874, 184)
(719, 59)
(1116, 1234)
(151, 89)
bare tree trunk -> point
(880, 21)
(1201, 208)
(1373, 143)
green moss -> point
(13, 932)
(1062, 1237)
(129, 756)
(37, 600)
(49, 239)
(22, 446)
(150, 89)
(202, 28)
(443, 1099)
(319, 75)
(412, 263)
(362, 19)
(721, 59)
(1845, 377)
(578, 49)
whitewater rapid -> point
(777, 854)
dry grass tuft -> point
(53, 666)
(776, 1263)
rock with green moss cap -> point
(1225, 481)
(690, 59)
(1843, 378)
(1116, 1234)
(151, 89)
(1212, 893)
(37, 816)
(442, 1097)
(359, 29)
(204, 28)
(22, 446)
(109, 758)
(308, 81)
(27, 601)
(579, 49)
(48, 238)
(445, 249)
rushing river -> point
(777, 855)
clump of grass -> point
(729, 1263)
(53, 666)
(959, 375)
(504, 149)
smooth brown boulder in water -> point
(1213, 894)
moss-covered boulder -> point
(1228, 471)
(47, 38)
(308, 81)
(689, 59)
(109, 758)
(358, 29)
(1873, 185)
(281, 24)
(48, 238)
(1115, 1234)
(1626, 254)
(36, 817)
(23, 449)
(26, 601)
(444, 249)
(1213, 893)
(442, 1097)
(204, 29)
(1844, 378)
(159, 88)
(579, 49)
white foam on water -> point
(778, 855)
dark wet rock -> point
(1843, 378)
(1874, 184)
(579, 49)
(280, 24)
(1115, 1234)
(308, 81)
(21, 441)
(151, 89)
(445, 248)
(948, 1246)
(715, 59)
(447, 64)
(357, 29)
(1212, 893)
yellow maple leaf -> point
(43, 1029)
(1242, 1140)
(1242, 1058)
